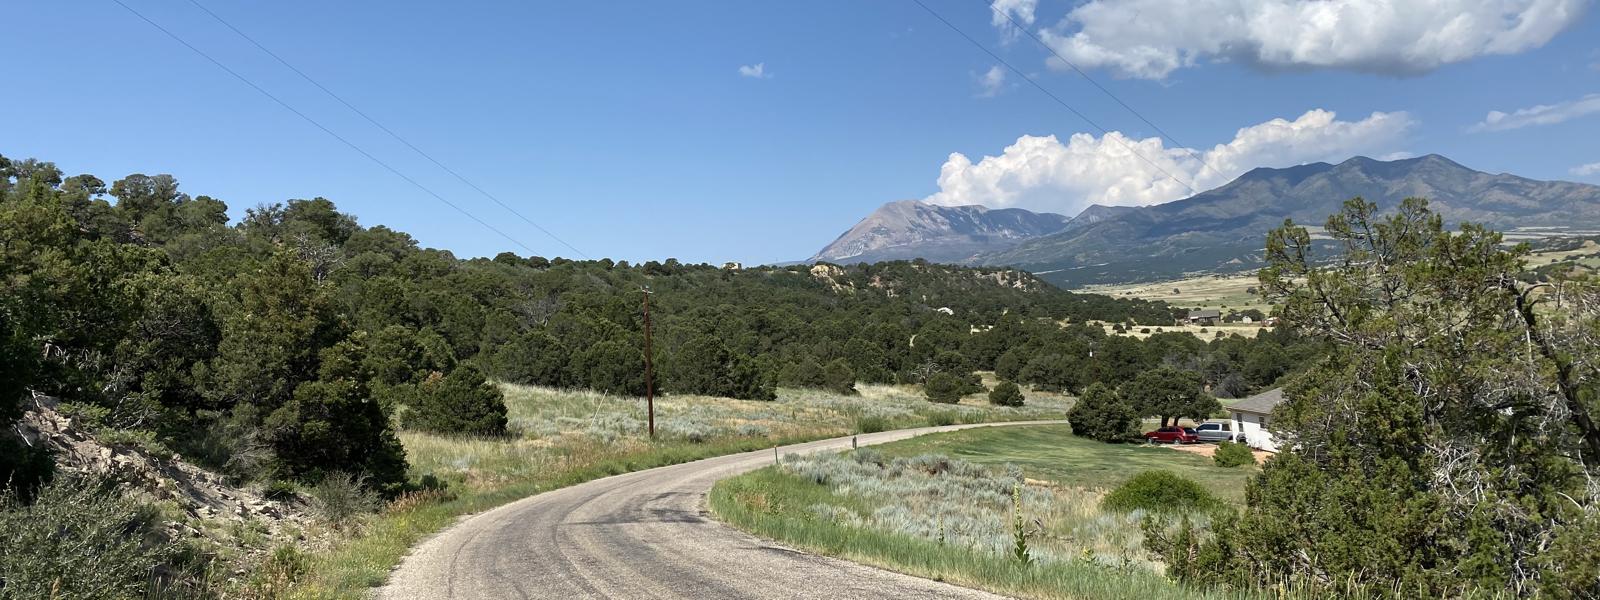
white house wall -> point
(1255, 433)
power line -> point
(1002, 12)
(1104, 133)
(385, 129)
(318, 125)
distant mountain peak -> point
(1225, 227)
(907, 229)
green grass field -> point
(1052, 453)
(906, 507)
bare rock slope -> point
(910, 229)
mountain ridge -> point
(1228, 224)
(909, 229)
(1223, 228)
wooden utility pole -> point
(649, 384)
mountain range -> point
(1217, 230)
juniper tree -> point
(1457, 394)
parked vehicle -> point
(1218, 432)
(1172, 435)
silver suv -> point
(1218, 432)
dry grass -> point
(1226, 292)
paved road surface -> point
(643, 535)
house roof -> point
(1259, 404)
(1207, 313)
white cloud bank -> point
(755, 71)
(1041, 173)
(1587, 170)
(1152, 38)
(1543, 114)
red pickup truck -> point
(1172, 435)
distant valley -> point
(1220, 230)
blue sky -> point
(629, 130)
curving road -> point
(644, 535)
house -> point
(1251, 416)
(1208, 316)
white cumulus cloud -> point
(991, 82)
(756, 71)
(1543, 114)
(1152, 38)
(1587, 170)
(1006, 11)
(1043, 173)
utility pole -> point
(649, 384)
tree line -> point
(284, 345)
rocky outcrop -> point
(203, 495)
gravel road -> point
(644, 535)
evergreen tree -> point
(612, 367)
(1006, 394)
(330, 424)
(462, 402)
(1170, 393)
(535, 357)
(839, 378)
(1477, 415)
(943, 388)
(803, 373)
(1101, 414)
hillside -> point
(1224, 228)
(910, 229)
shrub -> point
(943, 388)
(462, 402)
(1162, 492)
(1006, 394)
(871, 424)
(281, 490)
(80, 538)
(340, 499)
(686, 429)
(839, 378)
(941, 418)
(1233, 454)
(1101, 414)
(332, 425)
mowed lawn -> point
(1052, 453)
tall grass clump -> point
(341, 500)
(78, 538)
(1161, 491)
